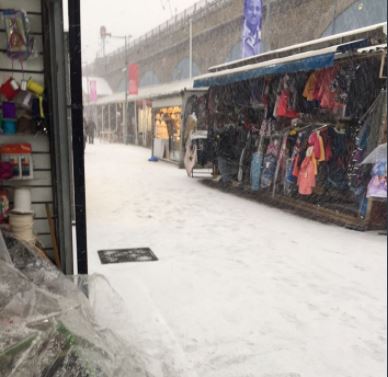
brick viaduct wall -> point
(216, 30)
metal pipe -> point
(125, 112)
(191, 49)
(136, 125)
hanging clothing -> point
(316, 141)
(268, 171)
(307, 173)
(313, 141)
(327, 94)
(286, 99)
(377, 187)
(309, 89)
(327, 143)
(322, 156)
(282, 108)
(299, 152)
(273, 148)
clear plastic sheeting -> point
(48, 327)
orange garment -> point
(322, 156)
(309, 89)
(295, 170)
(307, 173)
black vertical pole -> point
(77, 132)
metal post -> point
(191, 49)
(78, 134)
(125, 112)
(136, 125)
(116, 127)
(109, 123)
(58, 94)
(102, 123)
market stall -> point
(156, 117)
(296, 129)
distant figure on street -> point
(85, 129)
(251, 35)
(91, 129)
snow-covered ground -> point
(240, 289)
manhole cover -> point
(138, 254)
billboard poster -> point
(133, 78)
(251, 34)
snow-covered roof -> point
(103, 88)
(308, 60)
(149, 92)
(297, 48)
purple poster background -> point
(251, 33)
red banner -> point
(92, 90)
(133, 78)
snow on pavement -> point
(240, 289)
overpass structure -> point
(163, 54)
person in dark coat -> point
(91, 129)
(85, 129)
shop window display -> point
(167, 138)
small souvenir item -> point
(19, 41)
(20, 157)
(4, 205)
(9, 88)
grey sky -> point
(134, 17)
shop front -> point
(170, 116)
(167, 131)
(295, 131)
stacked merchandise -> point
(21, 101)
(21, 105)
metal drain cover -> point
(137, 254)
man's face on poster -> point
(253, 13)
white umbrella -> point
(379, 154)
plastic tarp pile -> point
(47, 325)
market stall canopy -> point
(149, 92)
(102, 86)
(305, 61)
(379, 154)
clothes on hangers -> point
(307, 173)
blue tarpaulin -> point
(306, 64)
